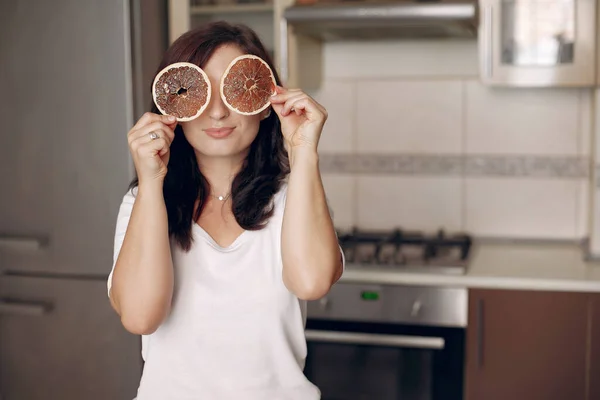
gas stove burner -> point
(405, 249)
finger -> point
(284, 96)
(172, 125)
(277, 108)
(149, 118)
(281, 89)
(147, 138)
(152, 148)
(289, 103)
(318, 105)
(144, 137)
(141, 141)
(309, 108)
(154, 127)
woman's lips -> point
(218, 133)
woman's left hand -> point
(302, 118)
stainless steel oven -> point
(387, 342)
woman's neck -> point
(220, 172)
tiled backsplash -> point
(415, 141)
(457, 165)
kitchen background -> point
(416, 139)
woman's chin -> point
(221, 151)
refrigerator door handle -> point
(33, 309)
(19, 243)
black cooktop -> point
(400, 247)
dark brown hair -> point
(265, 167)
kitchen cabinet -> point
(188, 14)
(60, 339)
(538, 43)
(530, 345)
(297, 60)
(594, 351)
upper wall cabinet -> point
(306, 24)
(257, 14)
(295, 29)
(264, 16)
(522, 43)
(538, 43)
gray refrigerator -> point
(74, 76)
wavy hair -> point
(265, 167)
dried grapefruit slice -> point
(181, 89)
(247, 85)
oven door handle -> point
(415, 342)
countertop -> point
(503, 264)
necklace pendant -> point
(220, 198)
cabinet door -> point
(63, 149)
(538, 42)
(60, 339)
(526, 345)
(594, 351)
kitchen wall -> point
(415, 141)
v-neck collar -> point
(206, 236)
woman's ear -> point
(266, 113)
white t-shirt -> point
(235, 332)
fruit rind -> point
(222, 86)
(180, 65)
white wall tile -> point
(380, 59)
(522, 121)
(585, 121)
(595, 209)
(338, 97)
(410, 203)
(409, 117)
(582, 228)
(341, 196)
(596, 127)
(522, 208)
(595, 224)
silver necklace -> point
(221, 198)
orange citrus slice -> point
(247, 85)
(181, 89)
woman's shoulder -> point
(127, 202)
(280, 196)
(130, 195)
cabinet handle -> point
(480, 314)
(488, 51)
(24, 244)
(32, 309)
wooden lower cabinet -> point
(530, 345)
(594, 351)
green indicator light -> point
(371, 296)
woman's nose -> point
(217, 108)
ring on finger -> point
(153, 135)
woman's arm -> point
(142, 279)
(312, 260)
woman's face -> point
(218, 131)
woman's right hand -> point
(151, 156)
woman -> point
(218, 288)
